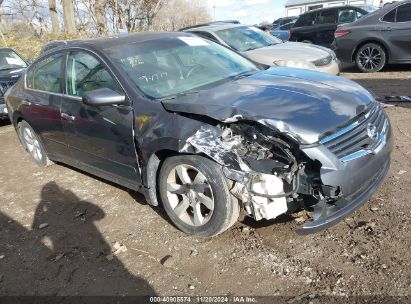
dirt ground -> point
(63, 232)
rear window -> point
(404, 13)
(390, 17)
(306, 20)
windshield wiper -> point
(242, 75)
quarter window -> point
(404, 13)
(46, 74)
(86, 73)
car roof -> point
(215, 27)
(331, 8)
(107, 42)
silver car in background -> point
(266, 49)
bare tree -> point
(68, 16)
(53, 16)
(99, 13)
(181, 13)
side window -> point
(45, 75)
(347, 15)
(206, 36)
(390, 17)
(305, 20)
(85, 73)
(404, 13)
(328, 16)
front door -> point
(100, 138)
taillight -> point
(341, 33)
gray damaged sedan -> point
(202, 131)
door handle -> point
(387, 29)
(68, 117)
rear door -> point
(100, 138)
(396, 30)
(41, 101)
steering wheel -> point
(192, 69)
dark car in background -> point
(12, 65)
(202, 130)
(318, 26)
(377, 39)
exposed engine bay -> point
(271, 175)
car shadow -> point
(137, 196)
(63, 253)
(281, 219)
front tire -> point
(32, 143)
(196, 195)
(370, 58)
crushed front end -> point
(273, 173)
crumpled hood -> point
(302, 103)
(287, 51)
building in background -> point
(297, 7)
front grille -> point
(366, 135)
(5, 85)
(323, 61)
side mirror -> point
(103, 97)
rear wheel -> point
(32, 144)
(195, 194)
(371, 57)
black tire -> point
(32, 143)
(225, 210)
(370, 58)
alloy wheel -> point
(190, 195)
(370, 58)
(32, 144)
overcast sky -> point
(247, 11)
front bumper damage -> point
(272, 174)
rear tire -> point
(33, 145)
(196, 195)
(370, 58)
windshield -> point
(10, 60)
(171, 66)
(247, 38)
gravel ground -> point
(63, 232)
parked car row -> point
(263, 48)
(365, 35)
